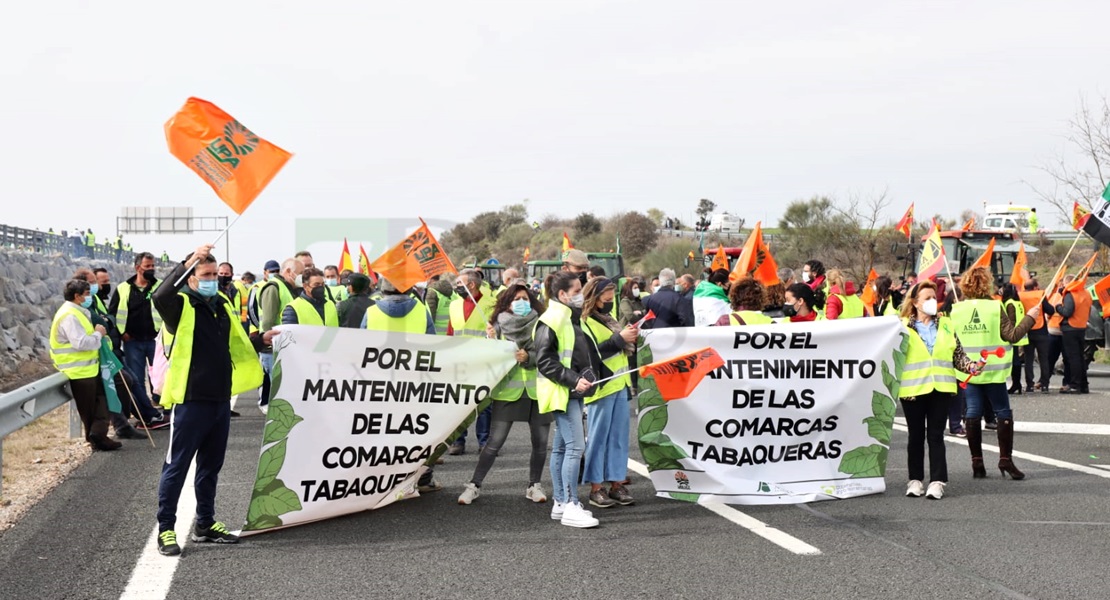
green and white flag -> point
(109, 366)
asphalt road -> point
(1045, 537)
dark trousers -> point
(499, 432)
(956, 409)
(1037, 351)
(1074, 363)
(481, 427)
(925, 417)
(137, 357)
(1055, 348)
(92, 405)
(1019, 362)
(197, 429)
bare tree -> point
(1080, 177)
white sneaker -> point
(576, 516)
(470, 494)
(915, 489)
(535, 493)
(557, 510)
(265, 408)
(936, 490)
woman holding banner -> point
(607, 421)
(799, 306)
(514, 399)
(565, 367)
(928, 386)
(989, 331)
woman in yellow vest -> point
(607, 420)
(1011, 303)
(746, 298)
(565, 368)
(312, 307)
(928, 386)
(843, 302)
(514, 399)
(983, 326)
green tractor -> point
(612, 262)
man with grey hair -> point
(469, 313)
(508, 276)
(786, 276)
(668, 305)
(278, 292)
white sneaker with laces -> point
(576, 516)
(535, 493)
(470, 494)
(936, 490)
(915, 489)
(557, 510)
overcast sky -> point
(447, 109)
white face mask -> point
(299, 281)
(576, 300)
(929, 307)
(805, 276)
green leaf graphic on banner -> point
(275, 377)
(878, 429)
(889, 381)
(269, 504)
(668, 464)
(867, 461)
(900, 356)
(658, 454)
(269, 465)
(652, 421)
(686, 496)
(882, 407)
(649, 396)
(280, 421)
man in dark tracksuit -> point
(212, 357)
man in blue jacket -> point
(668, 305)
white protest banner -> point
(798, 412)
(356, 416)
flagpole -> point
(1063, 264)
(214, 242)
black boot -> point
(1006, 447)
(974, 429)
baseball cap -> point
(272, 266)
(577, 258)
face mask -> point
(208, 288)
(636, 292)
(789, 310)
(87, 302)
(680, 288)
(606, 307)
(461, 291)
(93, 289)
(317, 294)
(576, 300)
(331, 282)
(521, 307)
(806, 277)
(105, 291)
(148, 275)
(929, 307)
(224, 280)
(582, 277)
(299, 281)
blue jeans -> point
(137, 357)
(267, 360)
(481, 427)
(607, 451)
(566, 452)
(993, 393)
(197, 429)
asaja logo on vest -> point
(976, 324)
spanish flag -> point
(345, 262)
(905, 224)
(756, 260)
(677, 377)
(932, 255)
(1079, 216)
(567, 246)
(417, 258)
(233, 160)
(720, 259)
(527, 254)
(364, 263)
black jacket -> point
(671, 309)
(583, 356)
(353, 309)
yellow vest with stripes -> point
(73, 363)
(851, 307)
(123, 290)
(414, 322)
(925, 372)
(1019, 314)
(243, 294)
(598, 333)
(246, 370)
(307, 315)
(475, 326)
(750, 317)
(443, 312)
(976, 324)
(552, 396)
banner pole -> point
(214, 242)
(1063, 266)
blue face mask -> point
(521, 307)
(94, 288)
(208, 288)
(87, 302)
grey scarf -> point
(517, 329)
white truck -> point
(1007, 217)
(725, 223)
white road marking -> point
(763, 530)
(1044, 427)
(1044, 460)
(153, 573)
(1107, 467)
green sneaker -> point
(216, 533)
(167, 543)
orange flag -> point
(235, 162)
(417, 258)
(905, 224)
(932, 257)
(677, 377)
(868, 295)
(345, 261)
(1102, 290)
(720, 259)
(1020, 275)
(756, 260)
(968, 225)
(985, 259)
(1080, 281)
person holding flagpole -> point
(988, 330)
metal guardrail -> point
(33, 240)
(21, 407)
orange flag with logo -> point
(720, 260)
(868, 295)
(1080, 281)
(345, 262)
(677, 377)
(985, 259)
(756, 260)
(1102, 290)
(417, 258)
(1020, 274)
(230, 158)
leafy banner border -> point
(270, 497)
